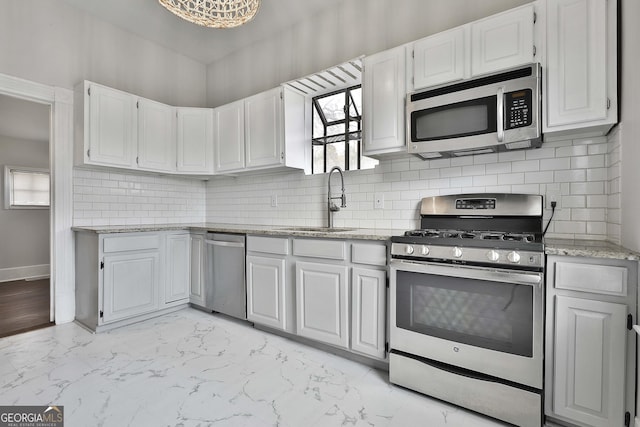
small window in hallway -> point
(26, 188)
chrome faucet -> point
(331, 206)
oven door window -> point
(492, 315)
(468, 118)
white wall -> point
(24, 233)
(630, 128)
(358, 27)
(53, 43)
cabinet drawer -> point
(329, 249)
(369, 254)
(130, 243)
(270, 245)
(600, 279)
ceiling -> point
(24, 119)
(148, 19)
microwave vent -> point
(518, 145)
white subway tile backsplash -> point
(116, 198)
(584, 173)
(583, 162)
(525, 166)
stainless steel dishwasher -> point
(225, 290)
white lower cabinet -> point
(341, 294)
(196, 279)
(322, 298)
(126, 277)
(368, 301)
(589, 361)
(178, 267)
(266, 302)
(130, 284)
(269, 283)
(590, 351)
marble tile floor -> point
(191, 368)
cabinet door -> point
(156, 136)
(196, 293)
(322, 302)
(502, 41)
(177, 268)
(130, 284)
(266, 299)
(576, 61)
(384, 89)
(195, 140)
(263, 129)
(589, 361)
(112, 134)
(368, 296)
(228, 137)
(439, 58)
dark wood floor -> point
(24, 305)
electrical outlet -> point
(552, 197)
(274, 200)
(378, 201)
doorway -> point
(25, 215)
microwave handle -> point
(500, 114)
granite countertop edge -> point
(589, 248)
(566, 247)
(264, 230)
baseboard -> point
(28, 272)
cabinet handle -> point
(500, 113)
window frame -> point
(8, 186)
(345, 136)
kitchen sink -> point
(319, 229)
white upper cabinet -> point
(105, 126)
(263, 129)
(498, 42)
(228, 137)
(383, 93)
(502, 41)
(195, 140)
(156, 136)
(581, 82)
(440, 58)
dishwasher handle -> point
(226, 244)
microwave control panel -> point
(518, 109)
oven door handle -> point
(466, 272)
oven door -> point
(485, 320)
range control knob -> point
(425, 250)
(456, 252)
(493, 255)
(513, 257)
(409, 249)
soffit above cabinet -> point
(335, 78)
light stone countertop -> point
(589, 248)
(266, 230)
(566, 247)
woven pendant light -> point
(214, 13)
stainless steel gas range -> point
(466, 312)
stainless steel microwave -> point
(488, 114)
